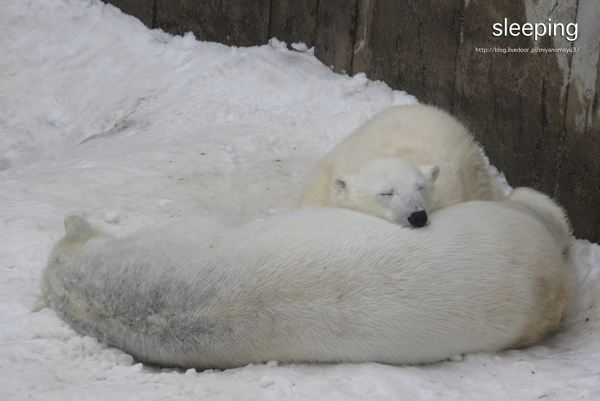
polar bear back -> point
(422, 134)
(316, 285)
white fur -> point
(389, 187)
(422, 134)
(553, 216)
(314, 285)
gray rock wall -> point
(536, 114)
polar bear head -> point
(78, 232)
(389, 187)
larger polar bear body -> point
(425, 135)
(314, 285)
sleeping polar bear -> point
(389, 187)
(317, 285)
(424, 135)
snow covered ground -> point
(133, 126)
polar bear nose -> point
(418, 219)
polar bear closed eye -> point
(389, 187)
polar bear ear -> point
(430, 172)
(76, 225)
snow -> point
(133, 126)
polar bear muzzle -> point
(418, 219)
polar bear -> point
(389, 187)
(554, 217)
(425, 135)
(315, 285)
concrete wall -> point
(537, 115)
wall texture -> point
(536, 114)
